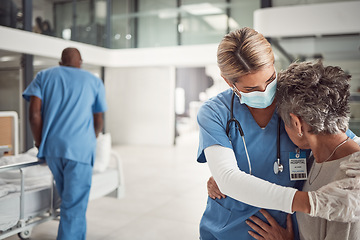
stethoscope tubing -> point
(233, 119)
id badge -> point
(297, 165)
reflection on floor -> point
(165, 197)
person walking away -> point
(66, 115)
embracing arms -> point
(260, 193)
(244, 187)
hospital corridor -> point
(115, 115)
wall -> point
(194, 55)
(141, 105)
(307, 20)
(140, 83)
(10, 84)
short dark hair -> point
(70, 57)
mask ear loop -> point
(235, 90)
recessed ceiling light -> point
(202, 9)
(7, 58)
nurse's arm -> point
(35, 119)
(249, 189)
(344, 193)
(300, 201)
(244, 187)
(98, 123)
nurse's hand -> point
(213, 189)
(43, 162)
(337, 201)
(271, 231)
(351, 167)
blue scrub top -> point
(70, 96)
(225, 218)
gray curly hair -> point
(315, 93)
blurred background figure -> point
(46, 28)
(38, 28)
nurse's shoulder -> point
(220, 101)
(81, 75)
(217, 107)
(46, 75)
(49, 71)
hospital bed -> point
(27, 192)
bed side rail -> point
(22, 226)
(20, 165)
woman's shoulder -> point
(352, 158)
(355, 156)
(346, 164)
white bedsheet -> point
(37, 176)
(37, 182)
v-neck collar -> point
(246, 116)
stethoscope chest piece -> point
(278, 167)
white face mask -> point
(259, 99)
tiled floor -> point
(165, 197)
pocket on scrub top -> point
(215, 216)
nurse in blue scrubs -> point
(244, 142)
(66, 112)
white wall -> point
(309, 19)
(45, 46)
(140, 83)
(141, 105)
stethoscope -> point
(278, 167)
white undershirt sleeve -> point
(244, 187)
(357, 140)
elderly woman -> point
(312, 100)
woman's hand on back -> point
(271, 230)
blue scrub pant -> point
(73, 182)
